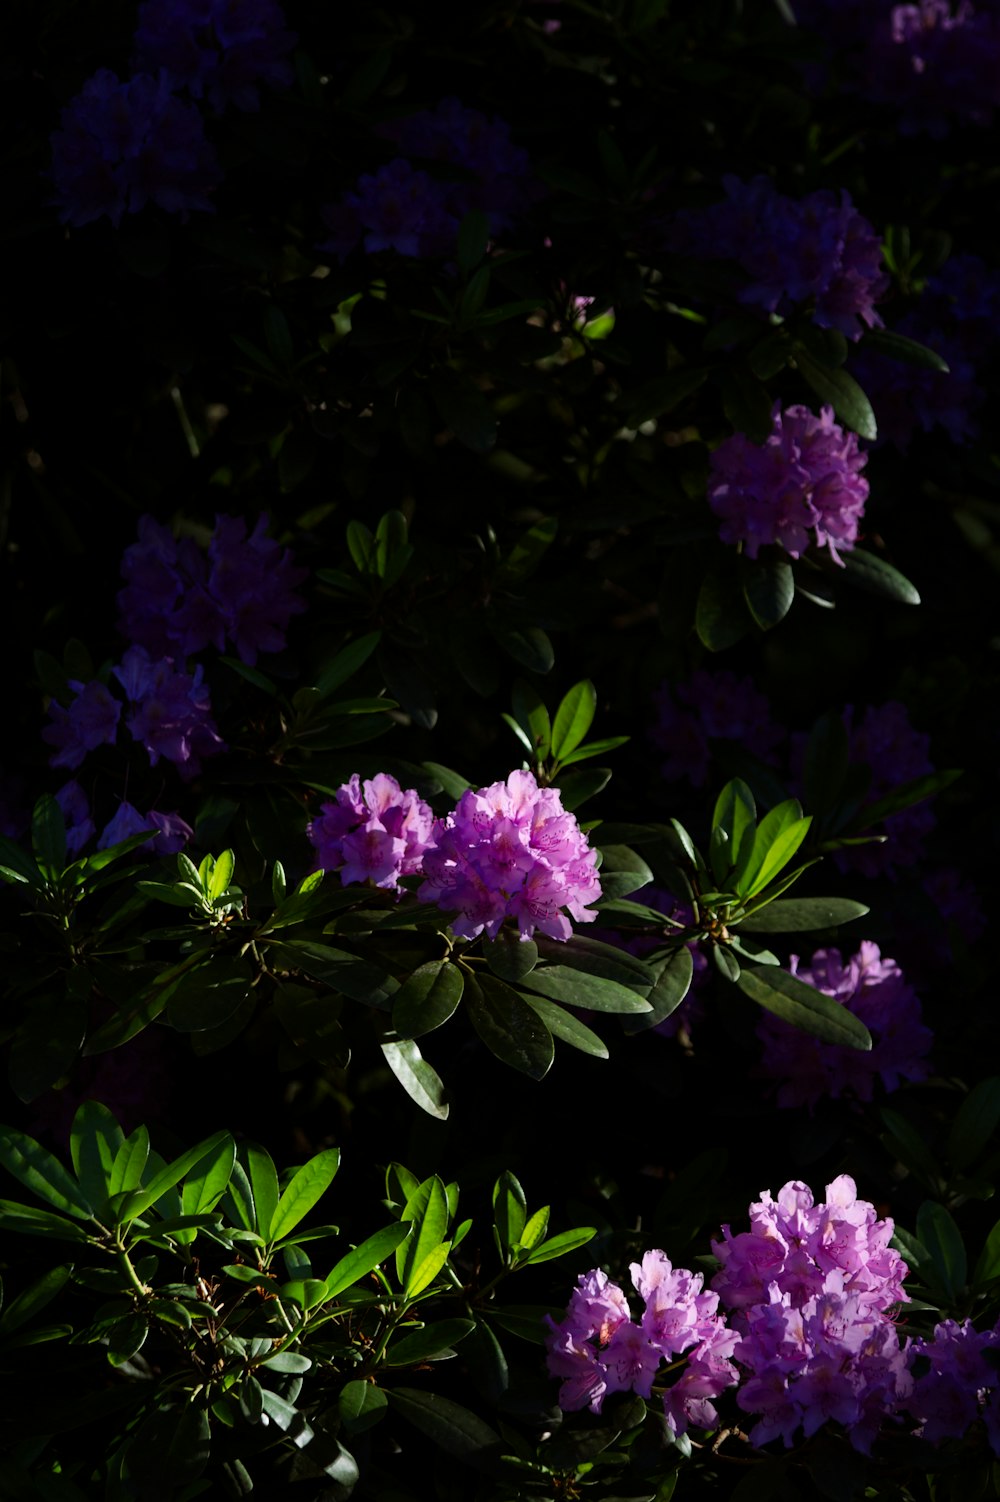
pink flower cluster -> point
(810, 1289)
(802, 485)
(508, 850)
(873, 989)
(511, 850)
(599, 1349)
(373, 831)
(956, 1381)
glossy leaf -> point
(622, 871)
(578, 989)
(34, 1298)
(419, 1079)
(95, 1142)
(875, 576)
(769, 589)
(567, 1028)
(511, 1030)
(360, 1261)
(453, 1428)
(427, 1209)
(721, 617)
(361, 1404)
(44, 1175)
(943, 1240)
(130, 1162)
(510, 1209)
(434, 1340)
(305, 1190)
(172, 1173)
(975, 1123)
(558, 1246)
(802, 915)
(667, 994)
(427, 999)
(842, 392)
(795, 1002)
(509, 956)
(574, 718)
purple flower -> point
(803, 485)
(374, 831)
(177, 601)
(957, 1382)
(396, 208)
(811, 1288)
(599, 1349)
(511, 850)
(708, 707)
(935, 64)
(168, 832)
(123, 145)
(816, 253)
(896, 753)
(90, 721)
(80, 827)
(219, 50)
(170, 712)
(872, 988)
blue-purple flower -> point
(170, 712)
(221, 51)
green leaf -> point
(528, 551)
(204, 1188)
(669, 991)
(558, 1246)
(453, 783)
(910, 1146)
(473, 239)
(802, 915)
(48, 835)
(464, 409)
(222, 875)
(575, 788)
(511, 1030)
(419, 1079)
(17, 866)
(578, 989)
(434, 1340)
(209, 994)
(130, 1162)
(28, 1221)
(735, 813)
(567, 1028)
(346, 663)
(427, 1209)
(343, 972)
(509, 956)
(510, 1210)
(622, 871)
(769, 589)
(594, 748)
(140, 1200)
(574, 718)
(95, 1142)
(47, 1044)
(988, 1265)
(427, 999)
(360, 1261)
(872, 574)
(812, 1011)
(28, 1303)
(943, 1241)
(306, 1188)
(746, 402)
(899, 347)
(527, 645)
(779, 835)
(531, 719)
(720, 618)
(661, 395)
(43, 1174)
(975, 1123)
(904, 797)
(361, 1404)
(524, 1320)
(841, 391)
(826, 762)
(455, 1429)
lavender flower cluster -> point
(956, 316)
(815, 253)
(473, 165)
(178, 600)
(803, 485)
(875, 990)
(509, 850)
(123, 144)
(896, 753)
(956, 1382)
(599, 1349)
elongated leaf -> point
(455, 1429)
(842, 392)
(943, 1240)
(576, 787)
(307, 1187)
(669, 991)
(204, 1188)
(427, 1209)
(507, 1025)
(577, 989)
(28, 1303)
(558, 1246)
(593, 748)
(130, 1161)
(172, 1173)
(95, 1141)
(360, 1261)
(222, 875)
(43, 1174)
(47, 1044)
(581, 952)
(48, 835)
(567, 1028)
(905, 796)
(419, 1079)
(795, 1002)
(361, 1405)
(527, 645)
(28, 1221)
(769, 589)
(876, 577)
(774, 824)
(622, 871)
(826, 762)
(802, 915)
(574, 718)
(975, 1123)
(988, 1264)
(510, 1210)
(427, 999)
(434, 1340)
(900, 347)
(509, 956)
(532, 719)
(453, 783)
(343, 972)
(736, 813)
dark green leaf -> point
(47, 1044)
(565, 1026)
(802, 1006)
(454, 1428)
(668, 992)
(507, 1025)
(746, 402)
(306, 1188)
(899, 347)
(48, 835)
(510, 1210)
(975, 1123)
(473, 238)
(453, 783)
(826, 762)
(34, 1298)
(578, 989)
(434, 1340)
(622, 871)
(346, 663)
(943, 1240)
(660, 395)
(420, 1081)
(427, 999)
(312, 1022)
(842, 392)
(904, 796)
(341, 971)
(576, 787)
(464, 409)
(532, 719)
(361, 1405)
(594, 748)
(509, 956)
(721, 617)
(28, 1221)
(209, 995)
(802, 915)
(95, 1142)
(872, 574)
(580, 952)
(769, 589)
(140, 1200)
(910, 1146)
(528, 551)
(527, 645)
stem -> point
(124, 1262)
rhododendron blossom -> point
(803, 485)
(372, 831)
(511, 850)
